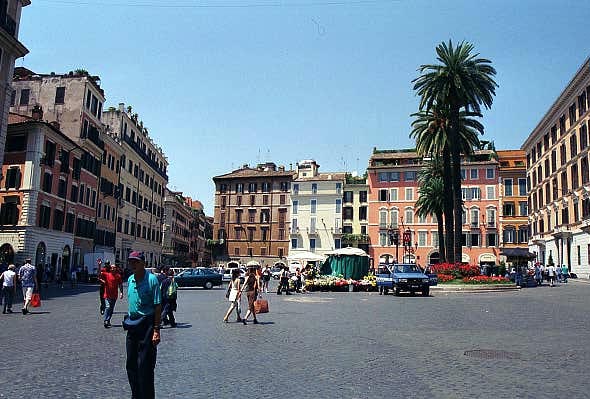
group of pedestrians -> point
(251, 286)
(551, 273)
(27, 276)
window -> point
(314, 188)
(15, 143)
(50, 150)
(409, 194)
(583, 136)
(434, 236)
(362, 213)
(12, 98)
(490, 173)
(394, 176)
(491, 239)
(338, 188)
(491, 192)
(348, 196)
(422, 219)
(296, 206)
(74, 194)
(382, 239)
(60, 95)
(383, 195)
(474, 240)
(509, 209)
(338, 206)
(62, 189)
(474, 218)
(409, 216)
(573, 144)
(473, 174)
(312, 226)
(294, 243)
(238, 216)
(47, 181)
(523, 234)
(347, 213)
(362, 196)
(410, 175)
(251, 215)
(24, 97)
(393, 194)
(13, 178)
(508, 187)
(252, 187)
(393, 218)
(240, 188)
(421, 238)
(313, 206)
(491, 217)
(58, 219)
(522, 187)
(383, 176)
(383, 219)
(295, 189)
(509, 235)
(44, 216)
(9, 210)
(337, 243)
(463, 174)
(265, 187)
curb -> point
(468, 288)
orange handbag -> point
(261, 306)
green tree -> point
(461, 81)
(430, 130)
(431, 201)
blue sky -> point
(222, 83)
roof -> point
(22, 74)
(17, 120)
(327, 176)
(249, 172)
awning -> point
(305, 256)
(349, 251)
(518, 253)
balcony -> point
(336, 230)
(312, 231)
(294, 231)
(355, 239)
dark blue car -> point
(198, 277)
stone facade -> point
(316, 210)
(176, 231)
(558, 178)
(38, 214)
(11, 49)
(252, 214)
(142, 183)
(201, 232)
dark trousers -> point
(8, 294)
(168, 313)
(141, 360)
(101, 294)
(283, 284)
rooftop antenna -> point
(258, 158)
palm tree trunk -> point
(441, 238)
(457, 203)
(448, 207)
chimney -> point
(121, 107)
(37, 112)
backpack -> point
(171, 293)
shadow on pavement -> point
(44, 312)
(181, 325)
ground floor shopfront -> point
(483, 256)
(48, 248)
(565, 247)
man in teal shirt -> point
(143, 327)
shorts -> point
(27, 293)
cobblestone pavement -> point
(317, 345)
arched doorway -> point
(40, 254)
(6, 254)
(434, 258)
(65, 258)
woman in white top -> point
(8, 279)
(235, 294)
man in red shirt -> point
(111, 280)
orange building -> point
(393, 191)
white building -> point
(558, 178)
(316, 210)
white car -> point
(228, 272)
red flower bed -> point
(445, 278)
(485, 280)
(457, 270)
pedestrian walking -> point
(235, 295)
(142, 324)
(169, 292)
(8, 278)
(100, 277)
(252, 288)
(551, 274)
(558, 273)
(564, 273)
(284, 281)
(27, 275)
(298, 280)
(266, 275)
(113, 285)
(538, 276)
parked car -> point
(276, 272)
(404, 277)
(198, 277)
(227, 273)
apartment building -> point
(176, 230)
(201, 228)
(252, 213)
(316, 209)
(393, 191)
(142, 183)
(39, 197)
(73, 102)
(355, 213)
(513, 221)
(10, 49)
(558, 178)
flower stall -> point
(351, 263)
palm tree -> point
(461, 82)
(431, 198)
(430, 130)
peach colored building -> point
(393, 191)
